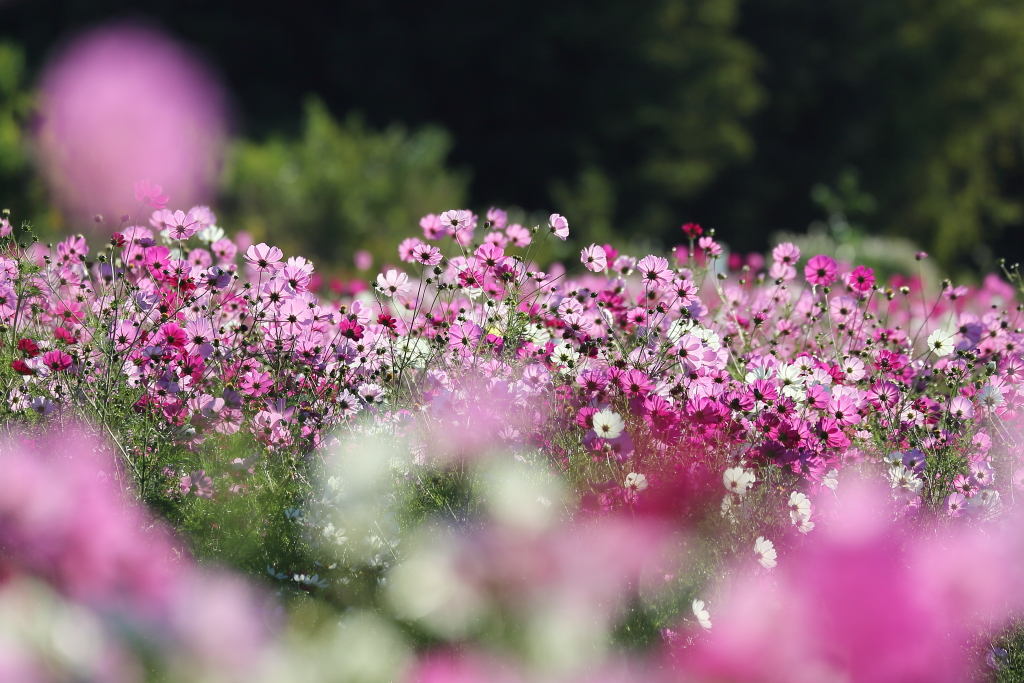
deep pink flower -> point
(861, 280)
(821, 270)
(57, 360)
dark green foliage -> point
(339, 187)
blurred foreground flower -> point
(125, 104)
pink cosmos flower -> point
(518, 235)
(559, 225)
(123, 103)
(263, 258)
(433, 229)
(955, 504)
(57, 360)
(405, 249)
(821, 270)
(255, 383)
(394, 283)
(787, 253)
(426, 254)
(710, 246)
(489, 256)
(497, 218)
(182, 225)
(861, 280)
(73, 249)
(362, 260)
(594, 258)
(496, 238)
(150, 194)
(225, 250)
(782, 271)
(654, 270)
(457, 220)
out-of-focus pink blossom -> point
(363, 260)
(124, 104)
(865, 602)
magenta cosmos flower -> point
(821, 270)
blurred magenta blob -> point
(124, 103)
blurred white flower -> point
(799, 507)
(831, 479)
(636, 482)
(703, 618)
(764, 551)
(738, 480)
(907, 480)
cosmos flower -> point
(764, 552)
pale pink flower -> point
(594, 258)
(518, 235)
(433, 229)
(654, 270)
(406, 248)
(394, 283)
(559, 225)
(362, 260)
(262, 257)
(150, 194)
(787, 253)
(426, 254)
(182, 225)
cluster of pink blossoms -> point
(627, 373)
(640, 369)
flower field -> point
(694, 467)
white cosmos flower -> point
(636, 482)
(738, 480)
(902, 478)
(990, 396)
(210, 234)
(764, 551)
(678, 328)
(538, 334)
(565, 356)
(713, 341)
(760, 372)
(831, 479)
(799, 507)
(941, 343)
(790, 375)
(703, 618)
(608, 425)
(804, 526)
